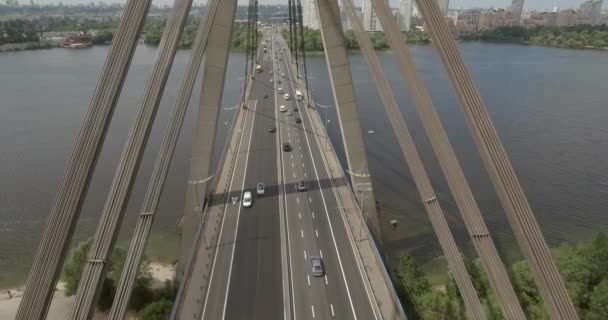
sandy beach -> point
(61, 305)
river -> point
(549, 106)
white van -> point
(287, 97)
(280, 90)
(282, 109)
(298, 95)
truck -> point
(298, 94)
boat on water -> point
(77, 41)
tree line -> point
(148, 303)
(580, 36)
(314, 42)
(583, 266)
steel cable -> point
(502, 175)
(161, 168)
(94, 271)
(472, 303)
(64, 214)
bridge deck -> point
(254, 263)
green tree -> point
(158, 310)
(598, 302)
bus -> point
(298, 95)
(258, 68)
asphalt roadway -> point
(262, 268)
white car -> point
(280, 90)
(287, 97)
(283, 74)
(247, 199)
(282, 109)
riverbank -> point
(61, 305)
(29, 46)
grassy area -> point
(162, 246)
(436, 271)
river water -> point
(550, 107)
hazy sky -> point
(531, 4)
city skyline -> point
(454, 4)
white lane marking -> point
(300, 215)
(304, 174)
(292, 156)
(302, 232)
(224, 218)
(309, 200)
(298, 199)
(301, 156)
(238, 216)
(308, 277)
(321, 253)
(294, 174)
(317, 232)
(326, 283)
(350, 299)
(332, 310)
(304, 254)
(292, 164)
(313, 214)
(302, 164)
(313, 310)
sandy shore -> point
(61, 305)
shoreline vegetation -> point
(48, 32)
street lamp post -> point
(326, 132)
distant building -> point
(405, 14)
(591, 10)
(516, 8)
(346, 23)
(310, 15)
(370, 19)
(566, 18)
(443, 6)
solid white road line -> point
(332, 310)
(326, 283)
(350, 299)
(238, 216)
(308, 277)
(224, 218)
(313, 310)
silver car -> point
(317, 266)
(260, 189)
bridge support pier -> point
(214, 74)
(346, 106)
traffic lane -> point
(256, 276)
(361, 297)
(319, 296)
(213, 306)
(334, 297)
(300, 298)
(349, 266)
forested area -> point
(583, 267)
(313, 41)
(581, 36)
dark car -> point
(286, 147)
(298, 120)
(296, 110)
(265, 95)
(272, 129)
(302, 186)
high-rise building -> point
(310, 15)
(346, 23)
(443, 5)
(516, 7)
(405, 14)
(596, 12)
(370, 19)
